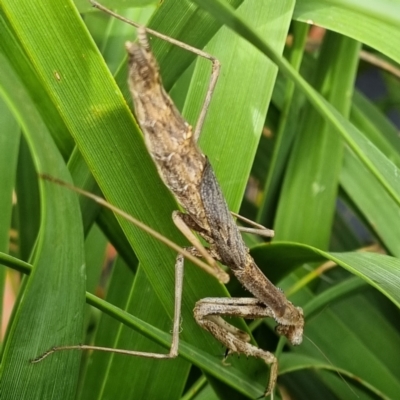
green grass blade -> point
(246, 75)
(380, 271)
(387, 174)
(377, 21)
(9, 141)
(295, 362)
(52, 296)
(311, 180)
(289, 102)
(376, 206)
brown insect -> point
(189, 175)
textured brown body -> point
(189, 175)
(169, 138)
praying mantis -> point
(189, 175)
(190, 301)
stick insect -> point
(187, 172)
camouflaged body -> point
(189, 175)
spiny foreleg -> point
(208, 313)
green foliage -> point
(328, 178)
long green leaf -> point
(387, 174)
(9, 140)
(377, 21)
(378, 270)
(52, 296)
(311, 180)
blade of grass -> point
(376, 206)
(234, 125)
(311, 181)
(52, 296)
(385, 171)
(379, 271)
(377, 21)
(9, 141)
(293, 362)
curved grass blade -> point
(377, 21)
(52, 296)
(378, 270)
